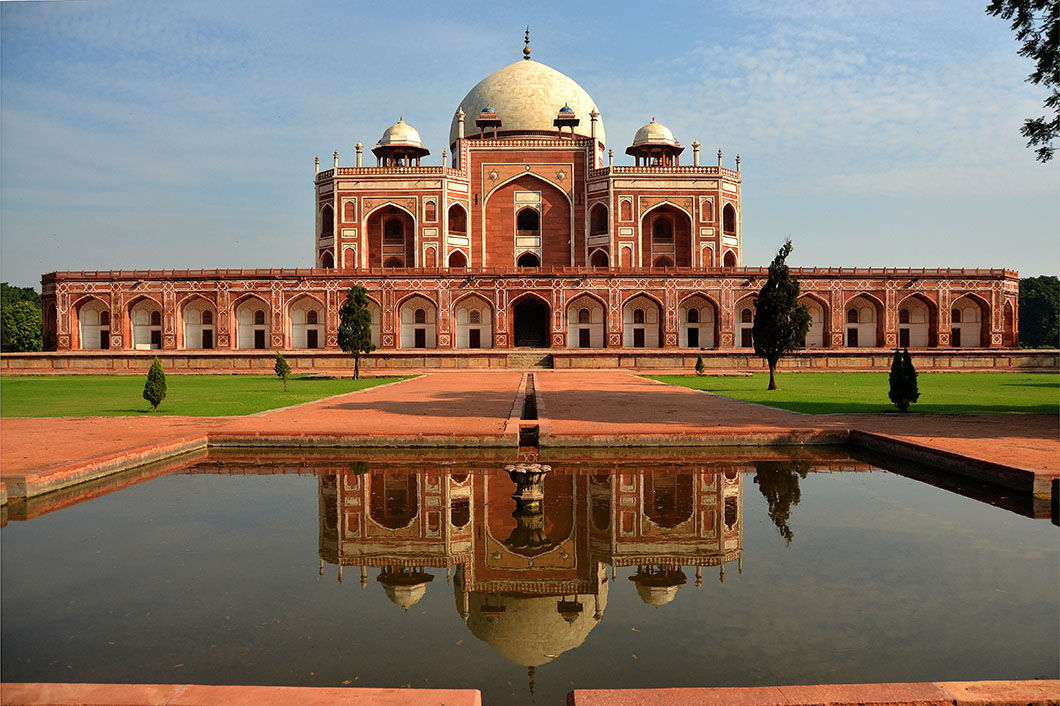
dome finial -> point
(526, 41)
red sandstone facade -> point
(525, 239)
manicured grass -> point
(191, 395)
(838, 393)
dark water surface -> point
(227, 572)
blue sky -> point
(182, 134)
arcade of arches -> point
(559, 313)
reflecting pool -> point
(679, 567)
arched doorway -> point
(530, 323)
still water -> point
(677, 568)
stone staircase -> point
(529, 358)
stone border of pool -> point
(967, 693)
(953, 693)
(1039, 484)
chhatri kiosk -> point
(526, 235)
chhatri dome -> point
(527, 96)
(654, 134)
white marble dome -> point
(400, 134)
(654, 134)
(527, 96)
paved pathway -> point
(573, 404)
(587, 403)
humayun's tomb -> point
(527, 236)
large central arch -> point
(530, 322)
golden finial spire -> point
(526, 41)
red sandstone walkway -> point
(576, 406)
(444, 405)
(607, 404)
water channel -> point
(679, 567)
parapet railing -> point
(728, 272)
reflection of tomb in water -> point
(530, 565)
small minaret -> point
(445, 157)
(316, 163)
(336, 160)
(610, 158)
(719, 158)
(460, 123)
(695, 153)
(737, 164)
(360, 153)
(594, 117)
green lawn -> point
(940, 393)
(192, 395)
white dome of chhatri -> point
(654, 134)
(400, 134)
(526, 96)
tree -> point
(780, 323)
(903, 390)
(13, 295)
(155, 387)
(20, 327)
(1040, 312)
(778, 482)
(699, 365)
(282, 369)
(1037, 25)
(355, 327)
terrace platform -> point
(574, 408)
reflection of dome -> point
(526, 96)
(658, 586)
(404, 587)
(530, 628)
(654, 134)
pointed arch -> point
(598, 217)
(743, 321)
(251, 319)
(473, 314)
(863, 314)
(586, 321)
(327, 221)
(419, 322)
(144, 314)
(305, 314)
(599, 258)
(973, 329)
(93, 324)
(559, 187)
(697, 316)
(666, 235)
(728, 218)
(391, 235)
(457, 219)
(729, 259)
(457, 260)
(197, 322)
(819, 334)
(917, 318)
(531, 317)
(642, 320)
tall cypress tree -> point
(355, 327)
(902, 378)
(780, 323)
(155, 387)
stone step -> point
(526, 358)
